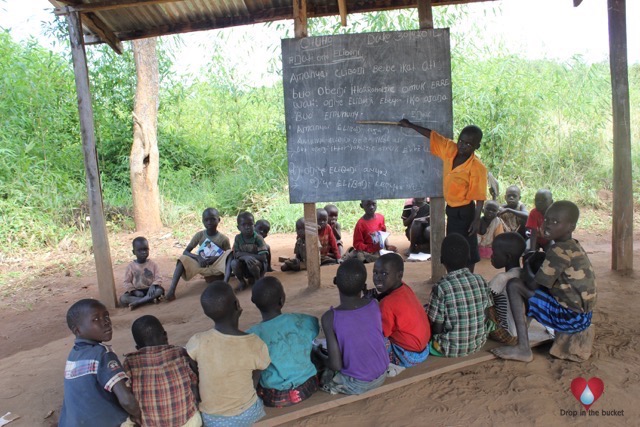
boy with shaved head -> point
(291, 376)
(229, 361)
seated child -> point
(357, 358)
(458, 304)
(404, 321)
(563, 293)
(164, 378)
(507, 250)
(210, 258)
(490, 227)
(263, 227)
(291, 377)
(142, 279)
(514, 213)
(416, 219)
(298, 262)
(249, 261)
(367, 240)
(329, 252)
(95, 390)
(229, 362)
(535, 222)
(332, 211)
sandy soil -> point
(34, 344)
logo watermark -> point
(587, 392)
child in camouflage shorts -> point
(562, 294)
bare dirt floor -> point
(35, 342)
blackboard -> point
(331, 82)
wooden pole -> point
(101, 252)
(436, 203)
(622, 238)
(310, 221)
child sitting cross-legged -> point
(416, 219)
(507, 251)
(357, 358)
(490, 227)
(250, 251)
(229, 362)
(459, 303)
(95, 390)
(142, 279)
(404, 321)
(332, 211)
(164, 378)
(562, 294)
(367, 237)
(297, 263)
(210, 258)
(291, 377)
(329, 252)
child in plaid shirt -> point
(163, 377)
(459, 303)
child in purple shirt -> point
(355, 343)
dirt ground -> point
(35, 342)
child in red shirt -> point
(535, 222)
(404, 322)
(329, 252)
(366, 236)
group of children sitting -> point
(225, 375)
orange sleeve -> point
(441, 146)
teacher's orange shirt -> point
(465, 183)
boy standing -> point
(291, 376)
(229, 362)
(563, 293)
(142, 279)
(458, 304)
(514, 213)
(404, 321)
(263, 227)
(329, 252)
(298, 262)
(163, 377)
(211, 257)
(249, 253)
(367, 237)
(464, 181)
(535, 222)
(357, 357)
(95, 391)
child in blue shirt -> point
(291, 376)
(95, 390)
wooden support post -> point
(101, 252)
(622, 238)
(436, 203)
(310, 221)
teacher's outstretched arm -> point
(422, 130)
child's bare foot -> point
(170, 297)
(514, 353)
(133, 306)
(241, 286)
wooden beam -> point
(436, 204)
(101, 30)
(300, 20)
(622, 239)
(342, 9)
(101, 251)
(109, 5)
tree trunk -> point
(144, 158)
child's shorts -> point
(244, 419)
(345, 384)
(545, 309)
(192, 267)
(405, 358)
(283, 398)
